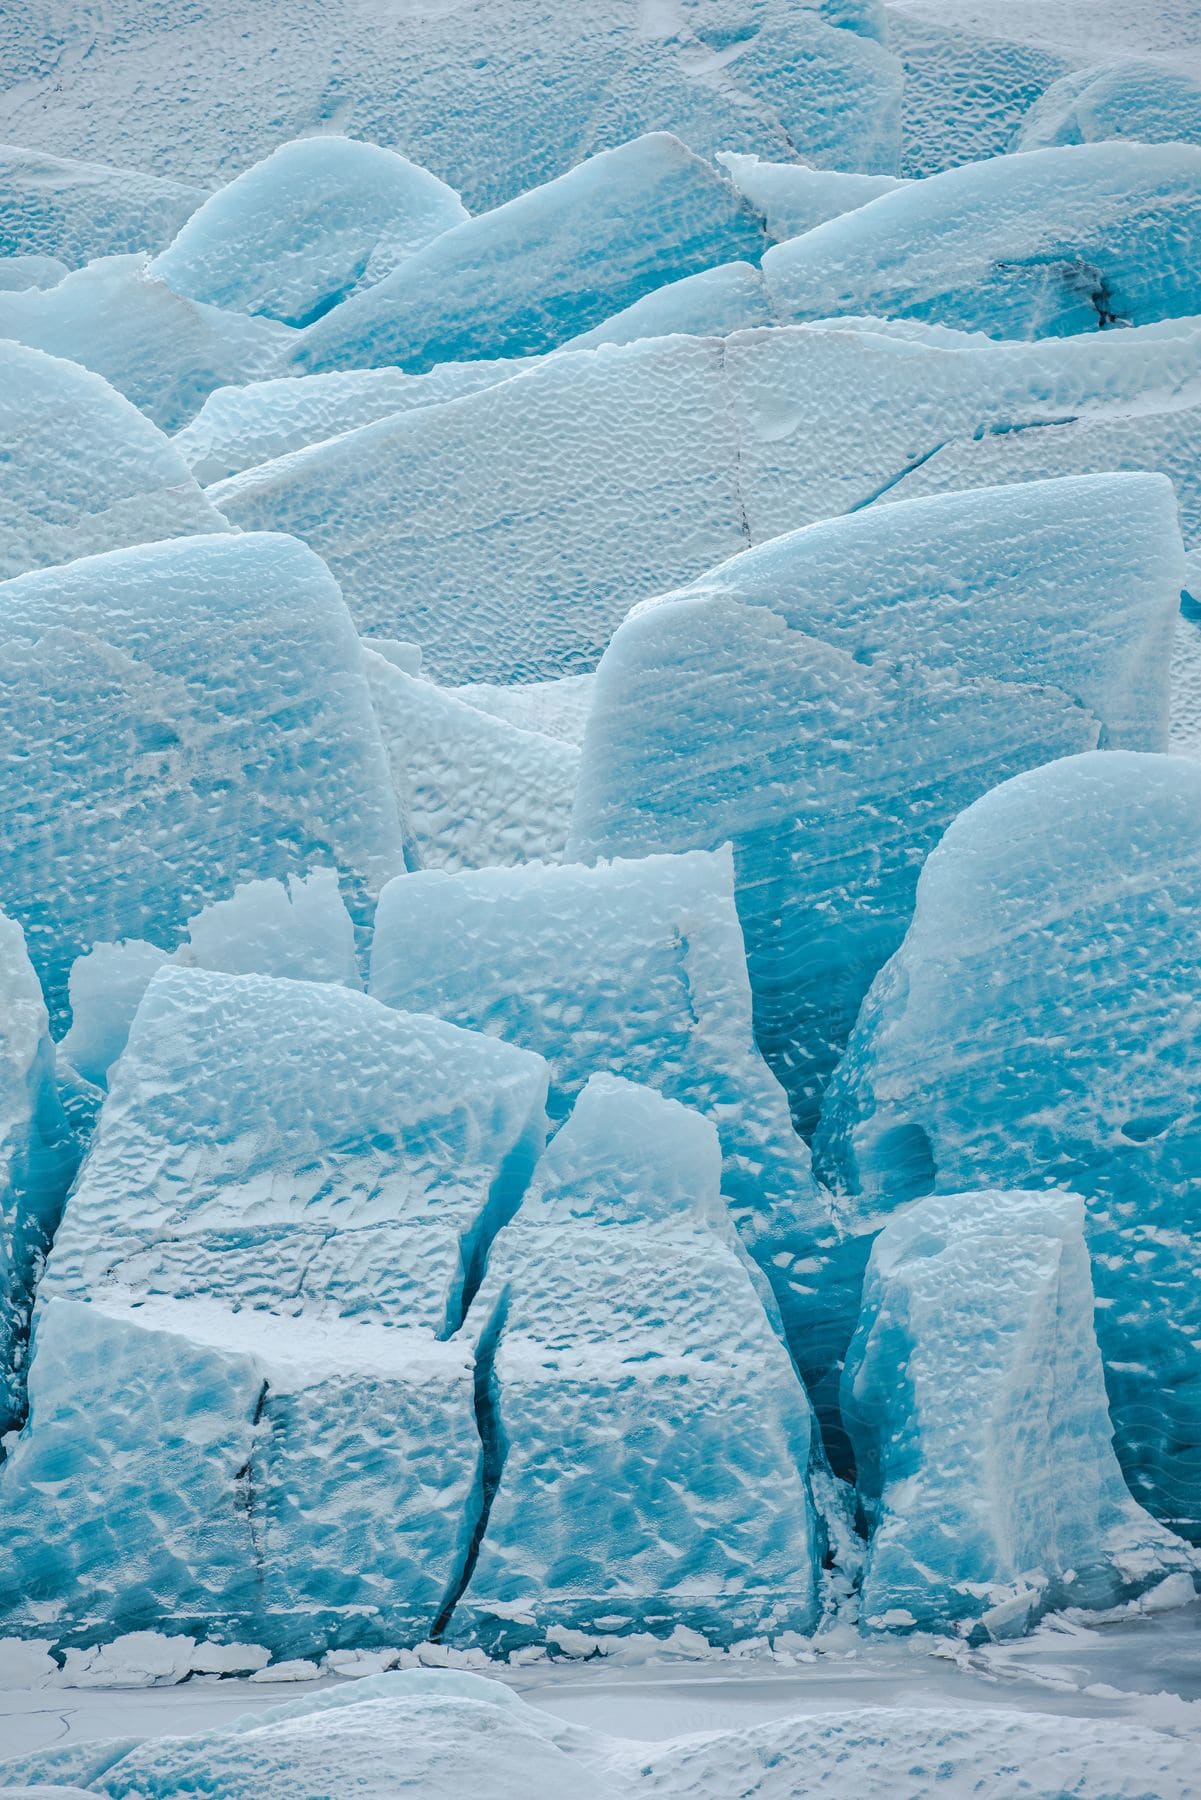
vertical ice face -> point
(637, 968)
(180, 718)
(646, 1439)
(36, 1156)
(830, 700)
(300, 1148)
(975, 1399)
(1039, 1026)
(314, 222)
(84, 471)
(549, 264)
(289, 1482)
(1045, 243)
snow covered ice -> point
(633, 468)
(600, 771)
(344, 215)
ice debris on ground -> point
(446, 1732)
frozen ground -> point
(1145, 1669)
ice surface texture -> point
(288, 1482)
(444, 1734)
(84, 470)
(634, 967)
(1038, 1027)
(549, 264)
(306, 227)
(477, 790)
(974, 1396)
(1041, 244)
(494, 95)
(74, 211)
(972, 72)
(164, 353)
(650, 1437)
(830, 700)
(1152, 102)
(628, 470)
(180, 718)
(301, 932)
(302, 1148)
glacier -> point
(640, 970)
(494, 96)
(600, 741)
(683, 451)
(864, 690)
(84, 470)
(546, 265)
(1042, 243)
(372, 1200)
